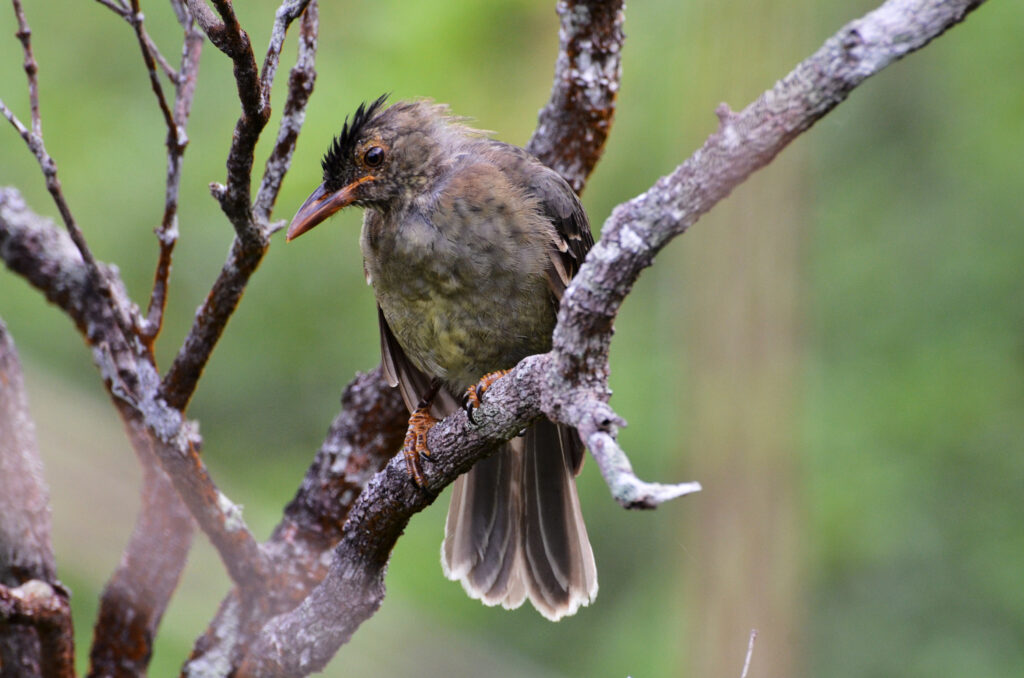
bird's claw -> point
(475, 393)
(415, 445)
(469, 404)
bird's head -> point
(382, 158)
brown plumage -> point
(469, 243)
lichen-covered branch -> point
(743, 143)
(45, 257)
(569, 384)
(45, 608)
(573, 127)
(361, 439)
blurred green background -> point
(840, 360)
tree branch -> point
(570, 382)
(137, 594)
(252, 235)
(33, 248)
(361, 439)
(24, 34)
(177, 140)
(573, 127)
(35, 621)
(300, 86)
(38, 605)
(34, 139)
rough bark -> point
(35, 617)
(569, 384)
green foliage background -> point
(911, 426)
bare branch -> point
(167, 232)
(252, 236)
(229, 37)
(573, 126)
(207, 20)
(120, 8)
(744, 142)
(211, 318)
(362, 438)
(24, 34)
(283, 18)
(570, 382)
(300, 87)
(25, 548)
(625, 487)
(137, 594)
(135, 18)
(33, 248)
(41, 606)
(34, 139)
(27, 634)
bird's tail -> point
(514, 528)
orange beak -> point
(320, 205)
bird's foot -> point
(420, 423)
(475, 393)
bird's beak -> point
(321, 205)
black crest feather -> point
(344, 144)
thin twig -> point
(164, 64)
(120, 8)
(300, 88)
(167, 232)
(251, 238)
(24, 34)
(750, 653)
(34, 139)
(135, 18)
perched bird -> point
(469, 244)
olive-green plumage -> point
(469, 243)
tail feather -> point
(482, 531)
(515, 529)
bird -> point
(469, 244)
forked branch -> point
(569, 384)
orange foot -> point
(475, 393)
(420, 424)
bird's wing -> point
(560, 204)
(570, 244)
(415, 386)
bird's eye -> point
(374, 156)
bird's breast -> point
(463, 297)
